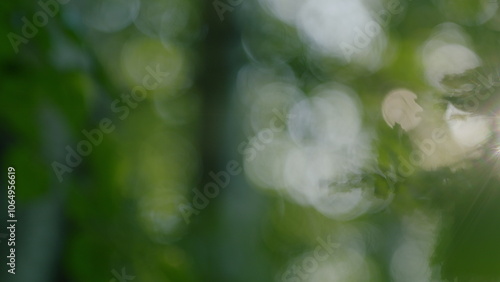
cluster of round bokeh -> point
(467, 126)
(325, 149)
(321, 155)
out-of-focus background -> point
(251, 140)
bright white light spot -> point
(467, 129)
(330, 25)
(446, 52)
(441, 58)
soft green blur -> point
(252, 140)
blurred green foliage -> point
(119, 208)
